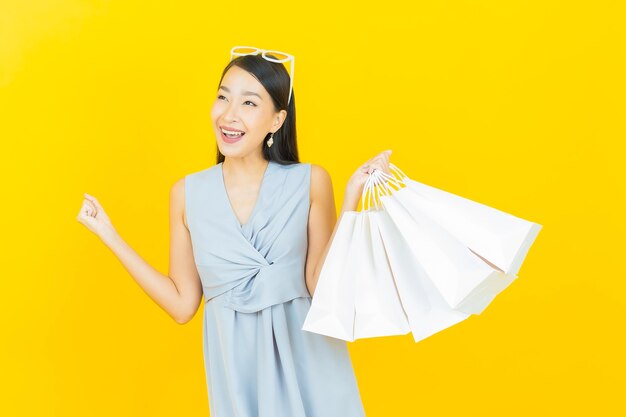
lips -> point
(229, 139)
(230, 129)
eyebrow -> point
(245, 93)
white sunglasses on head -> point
(281, 57)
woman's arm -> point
(178, 293)
(323, 221)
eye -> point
(247, 101)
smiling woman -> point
(250, 234)
(258, 230)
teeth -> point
(227, 132)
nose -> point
(230, 112)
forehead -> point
(239, 81)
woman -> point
(251, 234)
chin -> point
(230, 152)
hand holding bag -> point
(420, 260)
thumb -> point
(94, 200)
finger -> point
(92, 209)
(382, 159)
(372, 160)
(87, 220)
(387, 169)
(373, 166)
(87, 210)
(90, 206)
(82, 214)
(381, 163)
(383, 166)
(94, 200)
(376, 166)
(365, 167)
(384, 154)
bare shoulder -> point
(177, 192)
(177, 199)
(321, 182)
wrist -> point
(350, 201)
(109, 236)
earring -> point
(271, 140)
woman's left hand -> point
(355, 185)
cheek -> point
(215, 111)
(254, 120)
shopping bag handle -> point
(396, 170)
(378, 184)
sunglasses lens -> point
(245, 51)
(277, 55)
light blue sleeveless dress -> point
(259, 362)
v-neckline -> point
(256, 203)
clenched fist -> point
(355, 185)
(93, 216)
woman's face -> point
(243, 104)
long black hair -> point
(275, 79)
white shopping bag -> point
(483, 295)
(378, 310)
(332, 306)
(501, 238)
(465, 279)
(425, 307)
(448, 263)
(421, 260)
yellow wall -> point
(516, 104)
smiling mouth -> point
(231, 134)
(231, 138)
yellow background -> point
(515, 104)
